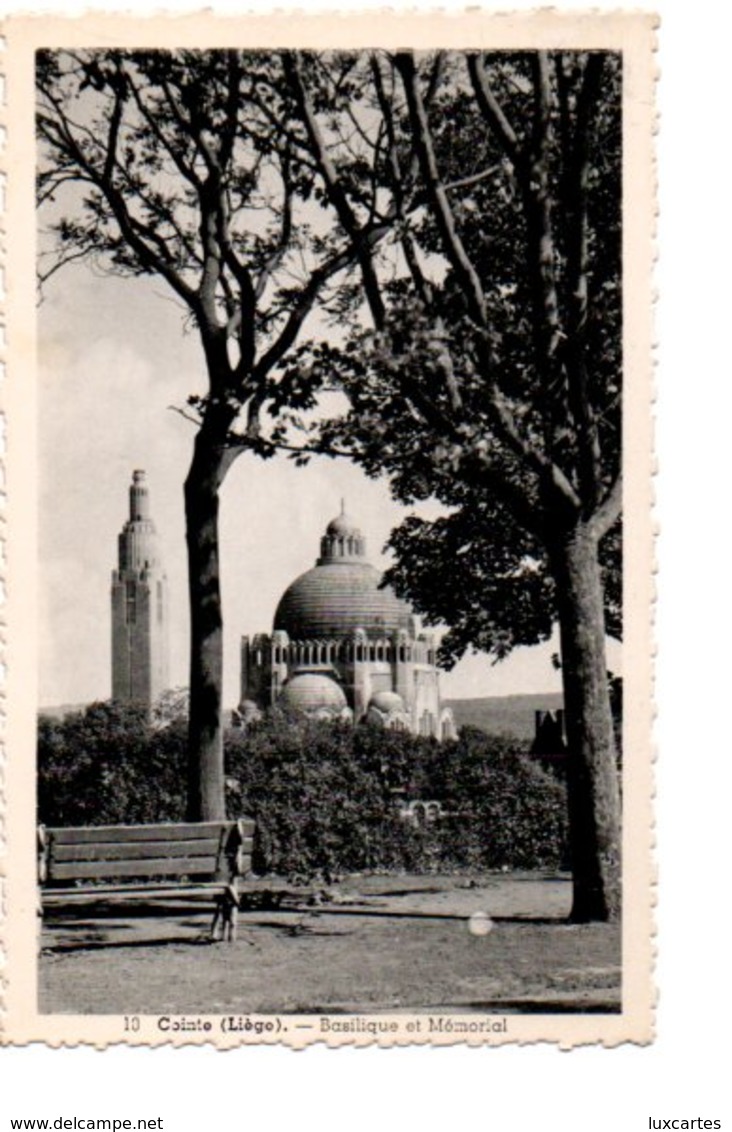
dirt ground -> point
(376, 944)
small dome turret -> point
(342, 541)
(312, 692)
(342, 525)
(387, 709)
(387, 702)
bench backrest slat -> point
(218, 850)
(124, 833)
(136, 850)
(164, 866)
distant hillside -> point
(58, 711)
(496, 715)
(504, 715)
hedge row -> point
(327, 799)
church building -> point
(139, 607)
(342, 647)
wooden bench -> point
(145, 863)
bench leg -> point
(215, 921)
(232, 924)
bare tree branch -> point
(336, 193)
(609, 510)
(285, 236)
(64, 142)
(453, 245)
(299, 312)
(61, 261)
(471, 286)
(151, 120)
(492, 112)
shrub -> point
(315, 805)
(325, 800)
(326, 797)
(106, 765)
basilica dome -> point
(343, 649)
(341, 593)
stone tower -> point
(139, 607)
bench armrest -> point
(42, 846)
(239, 847)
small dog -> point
(227, 913)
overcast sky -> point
(113, 359)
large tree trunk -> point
(592, 778)
(206, 801)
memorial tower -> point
(139, 607)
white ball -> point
(480, 923)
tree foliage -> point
(491, 379)
(195, 167)
(108, 765)
(501, 593)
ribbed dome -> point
(341, 593)
(311, 690)
(334, 598)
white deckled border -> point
(633, 33)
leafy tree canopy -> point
(491, 377)
(495, 363)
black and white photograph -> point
(342, 713)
